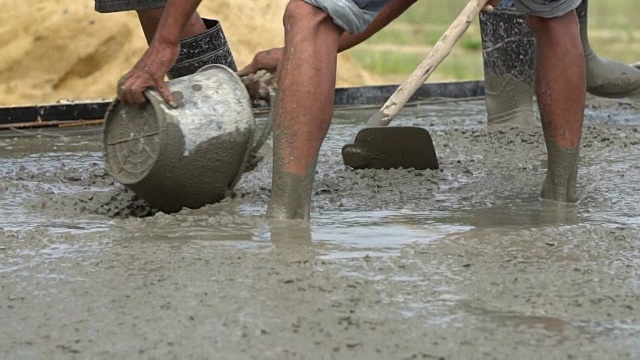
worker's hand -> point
(267, 60)
(149, 72)
(491, 5)
(258, 83)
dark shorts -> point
(351, 15)
(107, 6)
(547, 8)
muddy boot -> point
(607, 78)
(209, 47)
(562, 174)
(508, 46)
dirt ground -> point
(461, 263)
(63, 50)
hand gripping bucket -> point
(185, 157)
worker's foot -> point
(562, 190)
(290, 196)
(612, 79)
(562, 175)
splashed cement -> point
(459, 263)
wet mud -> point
(463, 262)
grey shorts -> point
(547, 8)
(352, 15)
(106, 6)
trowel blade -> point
(390, 148)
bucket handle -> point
(268, 126)
(253, 158)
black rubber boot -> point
(606, 78)
(508, 48)
(209, 47)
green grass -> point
(614, 32)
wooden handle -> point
(439, 52)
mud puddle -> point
(461, 263)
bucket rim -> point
(108, 119)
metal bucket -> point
(185, 157)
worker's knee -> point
(302, 15)
(554, 25)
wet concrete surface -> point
(460, 263)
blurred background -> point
(62, 50)
(614, 32)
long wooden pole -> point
(439, 52)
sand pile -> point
(63, 50)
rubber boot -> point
(508, 46)
(606, 78)
(209, 47)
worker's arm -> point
(162, 53)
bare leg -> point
(560, 90)
(150, 18)
(303, 108)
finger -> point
(252, 89)
(488, 8)
(263, 91)
(132, 90)
(136, 95)
(166, 95)
(249, 69)
(266, 77)
(125, 94)
(120, 93)
(120, 86)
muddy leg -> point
(150, 18)
(560, 90)
(606, 78)
(304, 107)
